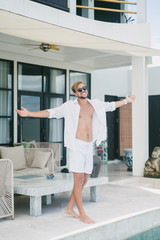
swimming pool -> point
(151, 234)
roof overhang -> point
(35, 30)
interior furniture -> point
(6, 189)
(29, 160)
(56, 153)
(128, 158)
(39, 186)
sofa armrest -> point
(30, 155)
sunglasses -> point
(83, 88)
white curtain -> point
(55, 125)
(57, 81)
(5, 101)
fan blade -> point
(30, 44)
(54, 48)
(54, 45)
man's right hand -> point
(23, 113)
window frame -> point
(12, 102)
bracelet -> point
(125, 101)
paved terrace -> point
(124, 210)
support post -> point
(95, 193)
(139, 115)
(35, 206)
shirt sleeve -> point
(110, 106)
(58, 112)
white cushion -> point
(40, 160)
(16, 154)
(31, 171)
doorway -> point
(119, 125)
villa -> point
(47, 45)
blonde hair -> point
(75, 86)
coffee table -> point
(38, 186)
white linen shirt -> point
(70, 112)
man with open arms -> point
(85, 123)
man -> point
(85, 123)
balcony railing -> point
(107, 10)
(116, 11)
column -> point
(95, 193)
(139, 115)
(15, 94)
(141, 11)
(72, 6)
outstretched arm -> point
(25, 113)
(125, 101)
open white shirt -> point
(70, 111)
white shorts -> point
(81, 160)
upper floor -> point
(103, 18)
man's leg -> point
(79, 181)
(69, 208)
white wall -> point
(154, 80)
(118, 82)
(114, 81)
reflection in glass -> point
(5, 74)
(5, 129)
(55, 125)
(78, 76)
(56, 130)
(32, 103)
(29, 77)
(54, 81)
(30, 129)
(5, 103)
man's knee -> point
(78, 179)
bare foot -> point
(86, 219)
(71, 212)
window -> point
(41, 88)
(6, 102)
(78, 76)
(60, 4)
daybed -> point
(28, 161)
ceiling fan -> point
(45, 47)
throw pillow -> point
(16, 154)
(40, 160)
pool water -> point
(151, 234)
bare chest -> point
(86, 111)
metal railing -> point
(110, 9)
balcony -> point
(115, 11)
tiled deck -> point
(122, 211)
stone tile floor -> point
(116, 201)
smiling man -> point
(85, 123)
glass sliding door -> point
(55, 95)
(41, 88)
(29, 96)
(55, 127)
(6, 102)
(30, 128)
